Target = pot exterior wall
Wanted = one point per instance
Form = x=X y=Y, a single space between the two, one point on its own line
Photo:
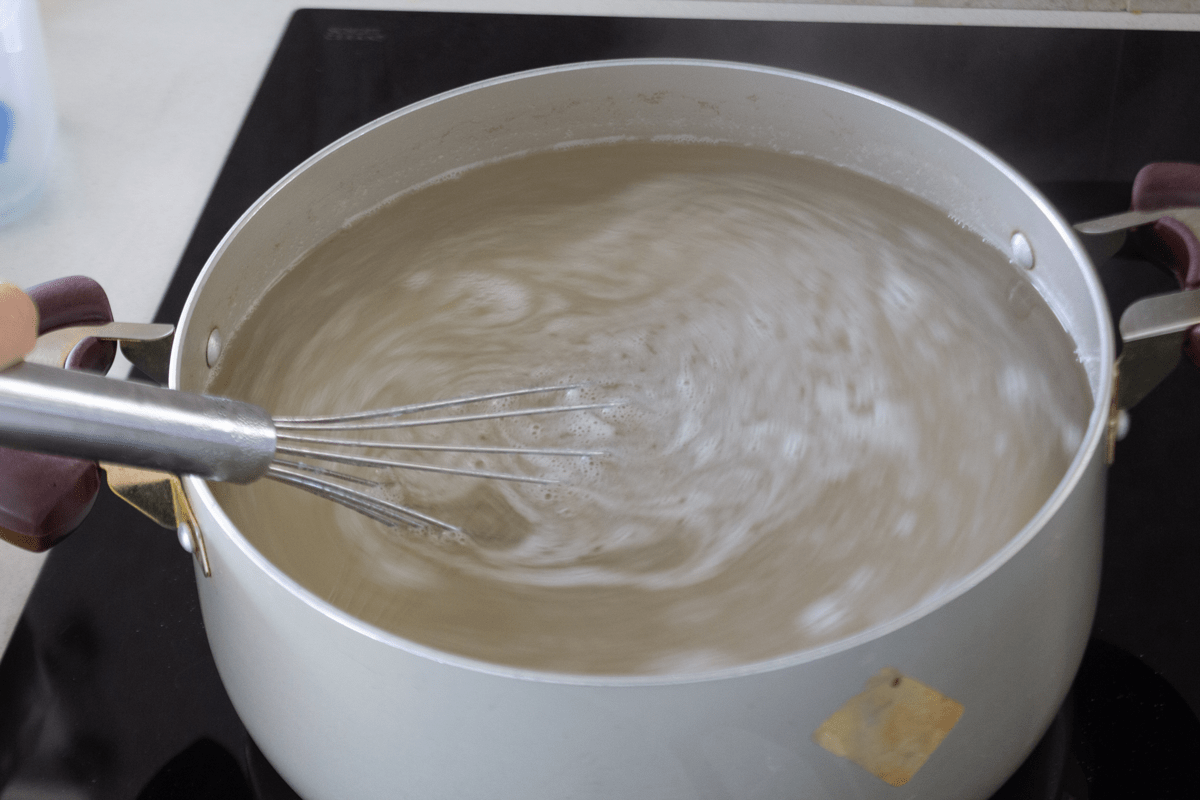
x=341 y=714
x=343 y=710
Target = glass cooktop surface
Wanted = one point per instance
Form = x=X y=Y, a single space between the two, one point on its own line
x=108 y=689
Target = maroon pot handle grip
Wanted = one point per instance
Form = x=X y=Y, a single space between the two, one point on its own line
x=43 y=498
x=1172 y=185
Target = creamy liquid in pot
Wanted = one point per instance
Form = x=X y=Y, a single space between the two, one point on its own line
x=835 y=404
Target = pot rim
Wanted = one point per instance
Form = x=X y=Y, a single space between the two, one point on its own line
x=1094 y=435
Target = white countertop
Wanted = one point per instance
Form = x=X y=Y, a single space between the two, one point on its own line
x=150 y=95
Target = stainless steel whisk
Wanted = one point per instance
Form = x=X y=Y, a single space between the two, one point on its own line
x=72 y=413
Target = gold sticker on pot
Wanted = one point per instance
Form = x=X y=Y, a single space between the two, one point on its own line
x=891 y=728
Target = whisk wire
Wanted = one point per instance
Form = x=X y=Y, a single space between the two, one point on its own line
x=294 y=439
x=368 y=461
x=385 y=511
x=332 y=473
x=413 y=408
x=347 y=425
x=441 y=448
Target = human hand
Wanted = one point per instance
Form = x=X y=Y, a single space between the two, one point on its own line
x=43 y=498
x=18 y=325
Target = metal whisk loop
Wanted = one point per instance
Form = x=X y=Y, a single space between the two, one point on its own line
x=413 y=408
x=417 y=423
x=384 y=511
x=294 y=438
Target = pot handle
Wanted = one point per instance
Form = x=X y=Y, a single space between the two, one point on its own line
x=1164 y=226
x=1172 y=241
x=44 y=498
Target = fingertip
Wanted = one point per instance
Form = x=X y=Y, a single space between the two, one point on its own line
x=18 y=324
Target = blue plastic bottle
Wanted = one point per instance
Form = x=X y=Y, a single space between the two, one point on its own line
x=27 y=121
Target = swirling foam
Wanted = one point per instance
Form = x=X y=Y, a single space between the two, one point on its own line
x=829 y=405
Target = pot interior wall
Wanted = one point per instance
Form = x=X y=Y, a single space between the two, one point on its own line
x=754 y=106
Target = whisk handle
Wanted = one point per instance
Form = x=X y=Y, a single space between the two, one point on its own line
x=70 y=413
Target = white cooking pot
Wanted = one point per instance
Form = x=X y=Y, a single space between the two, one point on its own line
x=345 y=710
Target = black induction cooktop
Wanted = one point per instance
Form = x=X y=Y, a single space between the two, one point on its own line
x=108 y=690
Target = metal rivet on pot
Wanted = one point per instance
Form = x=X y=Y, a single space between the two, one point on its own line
x=1022 y=250
x=1122 y=424
x=185 y=537
x=213 y=351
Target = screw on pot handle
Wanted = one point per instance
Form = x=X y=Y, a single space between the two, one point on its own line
x=43 y=498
